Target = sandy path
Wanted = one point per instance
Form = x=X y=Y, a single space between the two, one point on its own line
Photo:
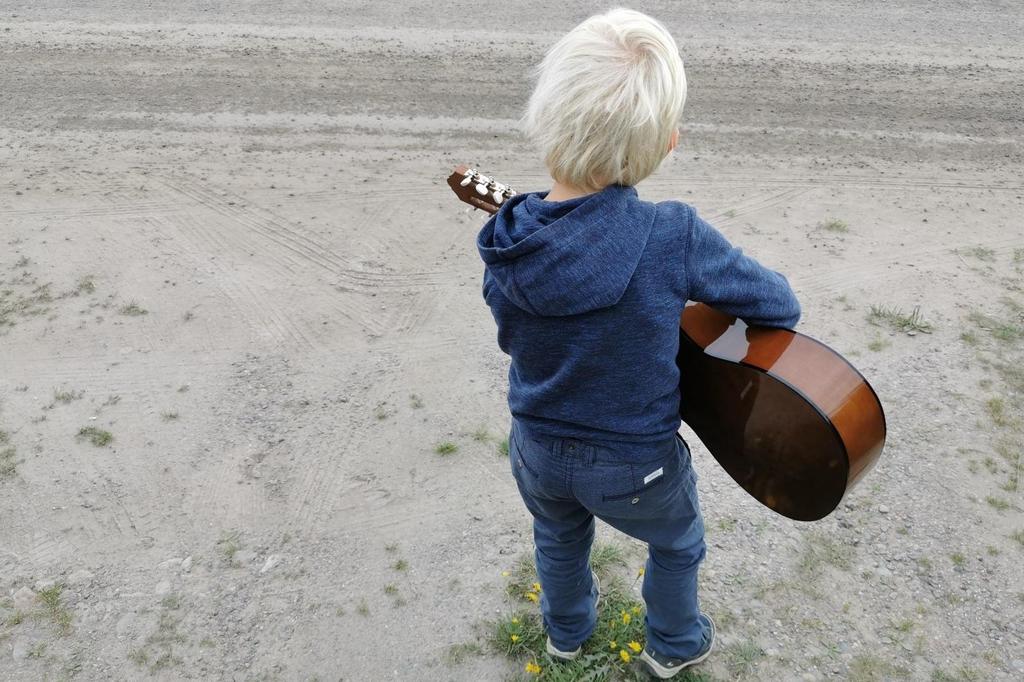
x=267 y=185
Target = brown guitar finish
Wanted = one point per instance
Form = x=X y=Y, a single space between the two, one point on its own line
x=787 y=417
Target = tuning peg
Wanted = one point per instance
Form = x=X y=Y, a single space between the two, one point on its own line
x=481 y=189
x=498 y=196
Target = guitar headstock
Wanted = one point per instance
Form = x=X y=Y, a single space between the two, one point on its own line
x=478 y=190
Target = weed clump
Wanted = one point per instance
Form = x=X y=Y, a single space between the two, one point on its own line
x=895 y=319
x=97 y=437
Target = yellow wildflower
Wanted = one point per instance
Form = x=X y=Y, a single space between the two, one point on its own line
x=636 y=610
x=626 y=618
x=624 y=655
x=505 y=574
x=532 y=596
x=536 y=587
x=515 y=638
x=635 y=646
x=533 y=668
x=515 y=621
x=613 y=645
x=640 y=573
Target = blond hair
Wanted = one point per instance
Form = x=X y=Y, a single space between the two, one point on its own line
x=608 y=97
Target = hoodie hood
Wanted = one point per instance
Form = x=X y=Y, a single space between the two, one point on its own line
x=566 y=257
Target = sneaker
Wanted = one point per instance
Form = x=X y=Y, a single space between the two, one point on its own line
x=571 y=655
x=664 y=667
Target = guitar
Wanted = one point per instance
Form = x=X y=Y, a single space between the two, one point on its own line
x=787 y=417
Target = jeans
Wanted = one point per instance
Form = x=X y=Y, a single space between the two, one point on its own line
x=645 y=490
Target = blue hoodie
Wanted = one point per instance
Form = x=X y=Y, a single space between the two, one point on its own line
x=587 y=295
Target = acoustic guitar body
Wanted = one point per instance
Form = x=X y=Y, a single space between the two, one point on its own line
x=787 y=417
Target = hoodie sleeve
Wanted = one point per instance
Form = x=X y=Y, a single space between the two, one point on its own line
x=720 y=275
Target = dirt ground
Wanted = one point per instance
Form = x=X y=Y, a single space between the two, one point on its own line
x=239 y=311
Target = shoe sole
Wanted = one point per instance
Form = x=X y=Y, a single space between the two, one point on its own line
x=662 y=673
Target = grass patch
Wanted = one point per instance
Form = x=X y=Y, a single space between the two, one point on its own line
x=23 y=304
x=229 y=544
x=86 y=285
x=132 y=309
x=835 y=225
x=456 y=654
x=878 y=344
x=741 y=658
x=895 y=319
x=822 y=550
x=961 y=674
x=66 y=397
x=55 y=609
x=958 y=559
x=610 y=655
x=503 y=447
x=169 y=416
x=983 y=253
x=97 y=437
x=8 y=463
x=869 y=668
x=604 y=556
x=362 y=608
x=997 y=411
x=446 y=448
x=997 y=503
x=998 y=329
x=157 y=653
x=1018 y=537
x=415 y=401
x=400 y=565
x=481 y=435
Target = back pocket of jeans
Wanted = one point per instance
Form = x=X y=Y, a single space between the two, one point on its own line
x=640 y=492
x=647 y=479
x=521 y=458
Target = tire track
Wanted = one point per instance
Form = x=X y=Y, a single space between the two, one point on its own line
x=841 y=276
x=306 y=247
x=263 y=319
x=146 y=208
x=825 y=180
x=755 y=205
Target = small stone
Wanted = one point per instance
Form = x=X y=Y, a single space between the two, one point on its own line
x=186 y=564
x=272 y=560
x=162 y=588
x=24 y=599
x=882 y=509
x=172 y=563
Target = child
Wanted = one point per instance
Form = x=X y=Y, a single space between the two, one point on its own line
x=586 y=283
